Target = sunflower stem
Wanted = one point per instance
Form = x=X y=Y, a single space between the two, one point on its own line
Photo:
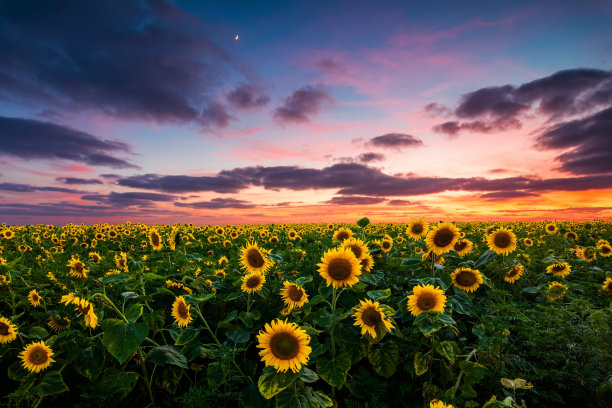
x=248 y=302
x=469 y=356
x=145 y=376
x=112 y=305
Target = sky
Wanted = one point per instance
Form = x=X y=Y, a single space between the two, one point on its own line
x=250 y=112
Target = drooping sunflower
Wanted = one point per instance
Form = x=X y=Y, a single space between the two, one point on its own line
x=426 y=298
x=58 y=323
x=220 y=273
x=77 y=268
x=95 y=257
x=589 y=254
x=417 y=229
x=252 y=282
x=463 y=247
x=121 y=261
x=293 y=295
x=343 y=233
x=442 y=238
x=284 y=346
x=371 y=317
x=254 y=259
x=502 y=241
x=561 y=269
x=36 y=357
x=607 y=286
x=223 y=261
x=550 y=228
x=467 y=279
x=180 y=312
x=155 y=240
x=555 y=290
x=514 y=274
x=85 y=308
x=356 y=245
x=8 y=331
x=340 y=267
x=367 y=262
x=34 y=298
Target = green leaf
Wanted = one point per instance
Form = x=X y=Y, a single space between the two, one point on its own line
x=308 y=376
x=421 y=363
x=167 y=354
x=119 y=383
x=461 y=303
x=303 y=398
x=215 y=375
x=334 y=371
x=384 y=359
x=187 y=335
x=276 y=257
x=90 y=362
x=238 y=336
x=51 y=384
x=411 y=261
x=118 y=278
x=311 y=331
x=303 y=280
x=533 y=289
x=200 y=298
x=129 y=295
x=379 y=294
x=322 y=318
x=38 y=332
x=122 y=339
x=152 y=276
x=484 y=259
x=271 y=382
x=134 y=312
x=363 y=222
x=446 y=350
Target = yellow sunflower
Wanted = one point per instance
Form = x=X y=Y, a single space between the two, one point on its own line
x=340 y=267
x=528 y=242
x=386 y=245
x=292 y=234
x=463 y=247
x=370 y=317
x=550 y=228
x=254 y=259
x=343 y=233
x=220 y=273
x=561 y=269
x=121 y=261
x=502 y=241
x=571 y=235
x=77 y=268
x=607 y=286
x=155 y=240
x=442 y=238
x=555 y=290
x=605 y=250
x=284 y=346
x=426 y=298
x=8 y=331
x=180 y=312
x=467 y=279
x=514 y=274
x=58 y=323
x=293 y=295
x=34 y=298
x=439 y=404
x=95 y=257
x=36 y=357
x=252 y=282
x=367 y=262
x=356 y=245
x=85 y=308
x=417 y=229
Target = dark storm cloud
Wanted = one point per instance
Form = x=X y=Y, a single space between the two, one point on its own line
x=370 y=157
x=217 y=203
x=247 y=96
x=25 y=188
x=145 y=59
x=355 y=200
x=33 y=139
x=589 y=138
x=129 y=199
x=302 y=105
x=76 y=180
x=507 y=195
x=395 y=141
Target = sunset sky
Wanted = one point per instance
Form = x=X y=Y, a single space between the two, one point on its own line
x=222 y=112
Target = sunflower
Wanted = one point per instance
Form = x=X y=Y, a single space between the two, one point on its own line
x=85 y=308
x=551 y=228
x=220 y=231
x=8 y=331
x=555 y=290
x=342 y=233
x=439 y=404
x=442 y=238
x=274 y=240
x=8 y=234
x=467 y=279
x=605 y=250
x=528 y=242
x=386 y=245
x=284 y=346
x=463 y=247
x=367 y=262
x=34 y=298
x=370 y=317
x=223 y=261
x=77 y=268
x=112 y=234
x=589 y=254
x=426 y=298
x=607 y=286
x=502 y=241
x=155 y=240
x=180 y=312
x=340 y=267
x=121 y=261
x=95 y=257
x=220 y=273
x=293 y=295
x=253 y=259
x=356 y=245
x=571 y=235
x=417 y=229
x=58 y=323
x=561 y=269
x=253 y=282
x=36 y=357
x=514 y=274
x=292 y=234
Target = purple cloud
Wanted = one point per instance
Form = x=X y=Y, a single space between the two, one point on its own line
x=76 y=180
x=395 y=141
x=247 y=96
x=218 y=203
x=302 y=105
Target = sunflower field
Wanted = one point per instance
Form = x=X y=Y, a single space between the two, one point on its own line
x=445 y=314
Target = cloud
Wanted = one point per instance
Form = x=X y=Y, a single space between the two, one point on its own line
x=218 y=203
x=330 y=66
x=25 y=188
x=76 y=180
x=496 y=101
x=129 y=199
x=182 y=184
x=497 y=171
x=395 y=141
x=215 y=115
x=452 y=128
x=435 y=109
x=355 y=200
x=370 y=157
x=33 y=139
x=590 y=141
x=72 y=211
x=247 y=96
x=507 y=195
x=132 y=60
x=399 y=202
x=302 y=105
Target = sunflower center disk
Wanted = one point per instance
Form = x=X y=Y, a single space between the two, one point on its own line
x=255 y=259
x=340 y=269
x=443 y=237
x=78 y=267
x=295 y=293
x=38 y=356
x=4 y=329
x=558 y=268
x=253 y=282
x=502 y=240
x=426 y=302
x=342 y=236
x=417 y=229
x=371 y=317
x=513 y=272
x=284 y=346
x=155 y=239
x=465 y=278
x=460 y=245
x=386 y=244
x=357 y=251
x=182 y=311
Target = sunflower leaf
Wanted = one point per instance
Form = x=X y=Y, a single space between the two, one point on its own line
x=421 y=363
x=484 y=259
x=271 y=382
x=51 y=384
x=334 y=371
x=384 y=359
x=304 y=397
x=122 y=339
x=379 y=294
x=187 y=335
x=167 y=354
